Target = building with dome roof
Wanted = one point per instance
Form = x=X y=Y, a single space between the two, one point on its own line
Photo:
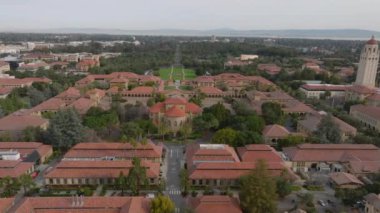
x=369 y=60
x=174 y=113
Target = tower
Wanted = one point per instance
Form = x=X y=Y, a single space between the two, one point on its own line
x=369 y=60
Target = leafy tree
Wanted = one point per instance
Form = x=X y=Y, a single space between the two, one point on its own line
x=272 y=113
x=258 y=190
x=65 y=129
x=10 y=186
x=328 y=131
x=350 y=196
x=186 y=130
x=283 y=187
x=97 y=119
x=225 y=136
x=121 y=182
x=162 y=204
x=132 y=130
x=291 y=140
x=163 y=130
x=184 y=180
x=137 y=177
x=204 y=122
x=248 y=137
x=26 y=181
x=219 y=111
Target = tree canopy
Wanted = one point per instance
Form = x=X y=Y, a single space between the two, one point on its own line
x=65 y=129
x=258 y=190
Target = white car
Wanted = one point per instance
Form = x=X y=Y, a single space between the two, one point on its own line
x=321 y=203
x=150 y=196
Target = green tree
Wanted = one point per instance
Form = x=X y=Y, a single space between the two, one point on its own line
x=272 y=113
x=26 y=181
x=97 y=119
x=205 y=122
x=121 y=182
x=65 y=129
x=283 y=186
x=186 y=130
x=184 y=180
x=291 y=140
x=132 y=130
x=328 y=131
x=10 y=186
x=163 y=130
x=137 y=177
x=162 y=204
x=219 y=111
x=225 y=136
x=258 y=190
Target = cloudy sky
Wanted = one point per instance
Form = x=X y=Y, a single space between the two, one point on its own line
x=190 y=14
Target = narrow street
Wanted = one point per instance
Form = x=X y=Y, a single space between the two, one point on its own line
x=173 y=161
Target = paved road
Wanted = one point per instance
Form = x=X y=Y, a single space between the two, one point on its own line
x=173 y=161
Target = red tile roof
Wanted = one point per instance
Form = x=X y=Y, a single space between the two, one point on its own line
x=342 y=178
x=230 y=171
x=197 y=153
x=71 y=92
x=325 y=87
x=20 y=120
x=90 y=204
x=52 y=104
x=99 y=169
x=14 y=168
x=215 y=204
x=275 y=131
x=141 y=90
x=175 y=111
x=332 y=152
x=372 y=41
x=370 y=111
x=362 y=89
x=26 y=148
x=210 y=90
x=5 y=90
x=82 y=105
x=98 y=92
x=255 y=152
x=118 y=150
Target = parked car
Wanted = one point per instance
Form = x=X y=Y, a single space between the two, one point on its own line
x=321 y=202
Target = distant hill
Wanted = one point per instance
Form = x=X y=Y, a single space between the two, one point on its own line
x=354 y=34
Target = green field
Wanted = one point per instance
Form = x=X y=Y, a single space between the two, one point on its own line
x=177 y=73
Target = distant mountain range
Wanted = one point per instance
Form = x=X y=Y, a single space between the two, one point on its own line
x=354 y=34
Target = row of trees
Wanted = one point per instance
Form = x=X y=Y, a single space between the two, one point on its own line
x=10 y=186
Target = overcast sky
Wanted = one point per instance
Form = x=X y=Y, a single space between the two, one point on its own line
x=190 y=14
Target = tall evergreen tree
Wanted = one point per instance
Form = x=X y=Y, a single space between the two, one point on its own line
x=328 y=131
x=65 y=129
x=258 y=190
x=137 y=177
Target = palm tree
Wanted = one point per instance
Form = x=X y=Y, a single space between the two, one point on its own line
x=121 y=182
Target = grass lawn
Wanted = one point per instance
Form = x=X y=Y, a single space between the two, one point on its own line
x=177 y=73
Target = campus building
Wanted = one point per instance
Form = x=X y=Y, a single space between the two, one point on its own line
x=77 y=204
x=219 y=165
x=369 y=116
x=369 y=60
x=174 y=113
x=115 y=151
x=18 y=158
x=214 y=203
x=357 y=159
x=96 y=172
